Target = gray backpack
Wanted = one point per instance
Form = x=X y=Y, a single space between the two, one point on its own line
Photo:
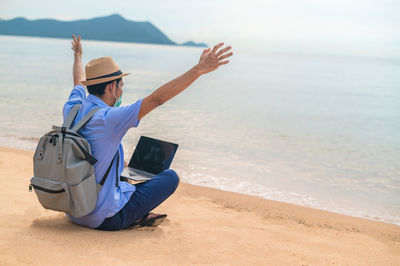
x=63 y=169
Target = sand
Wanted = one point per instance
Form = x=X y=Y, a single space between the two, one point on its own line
x=204 y=226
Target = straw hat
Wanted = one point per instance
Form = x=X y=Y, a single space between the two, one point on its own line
x=101 y=70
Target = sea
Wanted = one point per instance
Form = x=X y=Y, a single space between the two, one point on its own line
x=315 y=130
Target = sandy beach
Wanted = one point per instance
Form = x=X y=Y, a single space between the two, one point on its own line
x=204 y=226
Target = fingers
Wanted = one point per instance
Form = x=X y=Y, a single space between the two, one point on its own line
x=223 y=62
x=73 y=42
x=205 y=51
x=211 y=60
x=225 y=56
x=216 y=47
x=76 y=41
x=222 y=51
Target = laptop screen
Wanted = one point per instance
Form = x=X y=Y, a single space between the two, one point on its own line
x=152 y=155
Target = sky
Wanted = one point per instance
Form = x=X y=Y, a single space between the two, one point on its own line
x=368 y=27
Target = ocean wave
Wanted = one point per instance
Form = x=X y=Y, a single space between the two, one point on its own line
x=272 y=193
x=23 y=143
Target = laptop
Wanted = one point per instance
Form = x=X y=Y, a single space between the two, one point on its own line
x=151 y=157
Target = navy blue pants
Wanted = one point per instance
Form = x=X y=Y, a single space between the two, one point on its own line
x=148 y=195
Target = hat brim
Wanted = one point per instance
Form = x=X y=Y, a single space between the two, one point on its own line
x=102 y=80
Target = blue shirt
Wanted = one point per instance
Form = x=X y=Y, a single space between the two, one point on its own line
x=104 y=133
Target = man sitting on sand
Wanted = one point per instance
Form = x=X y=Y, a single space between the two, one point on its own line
x=120 y=204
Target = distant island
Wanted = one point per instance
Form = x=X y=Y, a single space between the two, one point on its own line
x=110 y=28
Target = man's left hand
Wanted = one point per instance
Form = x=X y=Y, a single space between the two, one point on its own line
x=210 y=60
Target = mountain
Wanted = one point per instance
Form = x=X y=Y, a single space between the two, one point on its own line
x=109 y=28
x=192 y=43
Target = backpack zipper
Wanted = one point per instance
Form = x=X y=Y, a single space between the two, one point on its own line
x=45 y=189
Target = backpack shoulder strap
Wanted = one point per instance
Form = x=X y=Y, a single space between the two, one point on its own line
x=71 y=116
x=85 y=119
x=103 y=180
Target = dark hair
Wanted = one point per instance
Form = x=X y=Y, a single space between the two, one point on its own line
x=99 y=89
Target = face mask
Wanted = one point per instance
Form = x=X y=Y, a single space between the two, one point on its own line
x=119 y=100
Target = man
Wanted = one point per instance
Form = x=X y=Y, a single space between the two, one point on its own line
x=120 y=204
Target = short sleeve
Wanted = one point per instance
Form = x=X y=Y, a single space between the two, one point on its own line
x=77 y=96
x=119 y=119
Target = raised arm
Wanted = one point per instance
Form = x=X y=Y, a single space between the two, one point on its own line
x=209 y=61
x=77 y=69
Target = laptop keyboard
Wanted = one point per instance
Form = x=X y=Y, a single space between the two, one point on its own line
x=133 y=172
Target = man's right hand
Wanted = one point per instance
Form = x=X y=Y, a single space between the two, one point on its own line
x=77 y=69
x=76 y=45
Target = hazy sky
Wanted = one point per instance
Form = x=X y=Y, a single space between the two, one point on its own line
x=362 y=27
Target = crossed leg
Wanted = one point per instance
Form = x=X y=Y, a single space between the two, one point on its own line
x=148 y=196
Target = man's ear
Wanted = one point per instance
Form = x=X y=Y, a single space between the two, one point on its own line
x=114 y=85
x=109 y=88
